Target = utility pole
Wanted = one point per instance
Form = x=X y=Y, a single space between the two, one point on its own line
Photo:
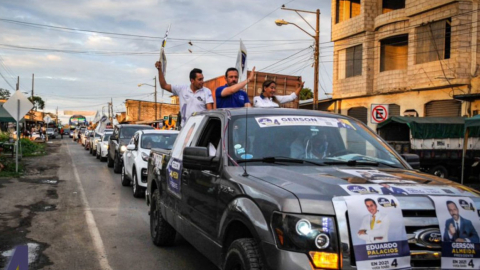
x=111 y=107
x=18 y=83
x=316 y=59
x=56 y=120
x=316 y=37
x=155 y=83
x=33 y=83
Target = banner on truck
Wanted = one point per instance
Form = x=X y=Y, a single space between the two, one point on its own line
x=459 y=224
x=378 y=232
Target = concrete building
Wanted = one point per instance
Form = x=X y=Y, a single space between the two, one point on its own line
x=419 y=57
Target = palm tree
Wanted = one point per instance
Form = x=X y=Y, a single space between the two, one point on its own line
x=306 y=93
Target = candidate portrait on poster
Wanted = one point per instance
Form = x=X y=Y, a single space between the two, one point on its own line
x=458 y=228
x=375 y=225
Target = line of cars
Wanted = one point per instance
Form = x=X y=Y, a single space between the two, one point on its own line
x=126 y=149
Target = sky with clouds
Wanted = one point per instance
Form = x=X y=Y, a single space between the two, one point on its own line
x=85 y=52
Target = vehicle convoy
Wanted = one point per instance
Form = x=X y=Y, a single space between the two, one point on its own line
x=268 y=189
x=118 y=144
x=134 y=169
x=438 y=141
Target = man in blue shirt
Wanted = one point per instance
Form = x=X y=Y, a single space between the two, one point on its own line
x=231 y=94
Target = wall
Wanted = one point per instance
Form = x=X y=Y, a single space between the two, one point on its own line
x=139 y=110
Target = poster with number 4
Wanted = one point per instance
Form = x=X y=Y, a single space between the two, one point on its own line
x=378 y=232
x=459 y=224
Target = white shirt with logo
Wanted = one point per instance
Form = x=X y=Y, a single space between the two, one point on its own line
x=191 y=102
x=268 y=103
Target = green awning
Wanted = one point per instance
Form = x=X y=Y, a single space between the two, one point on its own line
x=4 y=115
x=433 y=127
x=472 y=121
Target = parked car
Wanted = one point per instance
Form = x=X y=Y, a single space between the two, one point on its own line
x=267 y=189
x=71 y=132
x=118 y=144
x=51 y=133
x=134 y=169
x=102 y=146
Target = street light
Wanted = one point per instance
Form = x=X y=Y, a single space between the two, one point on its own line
x=316 y=37
x=154 y=86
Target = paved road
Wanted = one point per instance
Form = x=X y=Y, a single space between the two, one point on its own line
x=119 y=223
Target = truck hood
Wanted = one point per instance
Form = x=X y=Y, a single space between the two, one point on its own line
x=310 y=184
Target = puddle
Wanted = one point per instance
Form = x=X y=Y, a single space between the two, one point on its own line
x=33 y=251
x=42 y=207
x=51 y=182
x=52 y=193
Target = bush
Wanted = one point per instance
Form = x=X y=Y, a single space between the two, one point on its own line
x=30 y=148
x=4 y=136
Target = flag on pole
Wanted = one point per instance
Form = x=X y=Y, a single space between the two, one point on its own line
x=242 y=62
x=97 y=117
x=163 y=58
x=102 y=124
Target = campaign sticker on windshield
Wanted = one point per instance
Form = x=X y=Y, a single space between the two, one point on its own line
x=378 y=232
x=459 y=225
x=406 y=189
x=271 y=121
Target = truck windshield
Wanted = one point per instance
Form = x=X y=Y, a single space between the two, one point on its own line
x=325 y=140
x=128 y=132
x=106 y=137
x=164 y=141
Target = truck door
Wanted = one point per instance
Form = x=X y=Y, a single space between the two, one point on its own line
x=200 y=187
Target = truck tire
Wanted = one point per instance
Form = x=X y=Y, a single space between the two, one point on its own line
x=439 y=171
x=162 y=233
x=243 y=255
x=109 y=160
x=138 y=191
x=117 y=164
x=124 y=178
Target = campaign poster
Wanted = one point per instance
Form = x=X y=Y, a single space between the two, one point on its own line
x=459 y=224
x=175 y=164
x=378 y=232
x=403 y=189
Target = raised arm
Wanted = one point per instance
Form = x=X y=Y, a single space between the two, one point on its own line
x=161 y=78
x=227 y=91
x=299 y=88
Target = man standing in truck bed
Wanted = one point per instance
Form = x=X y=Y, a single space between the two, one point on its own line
x=193 y=98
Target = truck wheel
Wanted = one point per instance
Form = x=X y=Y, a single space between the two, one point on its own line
x=124 y=178
x=439 y=171
x=243 y=255
x=162 y=233
x=117 y=165
x=138 y=191
x=109 y=160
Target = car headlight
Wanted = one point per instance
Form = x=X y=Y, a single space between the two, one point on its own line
x=313 y=235
x=97 y=140
x=123 y=148
x=144 y=156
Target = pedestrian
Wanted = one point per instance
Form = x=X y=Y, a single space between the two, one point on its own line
x=232 y=95
x=61 y=133
x=193 y=98
x=268 y=99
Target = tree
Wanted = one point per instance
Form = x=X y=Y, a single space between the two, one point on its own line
x=4 y=93
x=306 y=93
x=38 y=102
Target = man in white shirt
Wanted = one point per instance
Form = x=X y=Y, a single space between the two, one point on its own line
x=374 y=228
x=193 y=98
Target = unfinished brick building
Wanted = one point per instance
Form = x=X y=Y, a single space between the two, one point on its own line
x=420 y=57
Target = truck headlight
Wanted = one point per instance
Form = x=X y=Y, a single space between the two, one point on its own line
x=312 y=235
x=144 y=156
x=123 y=148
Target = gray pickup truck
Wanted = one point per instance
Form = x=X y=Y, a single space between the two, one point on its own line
x=238 y=184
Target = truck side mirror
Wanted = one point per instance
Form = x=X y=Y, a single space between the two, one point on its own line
x=412 y=159
x=131 y=147
x=197 y=158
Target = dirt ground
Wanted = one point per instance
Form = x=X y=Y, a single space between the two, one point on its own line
x=43 y=210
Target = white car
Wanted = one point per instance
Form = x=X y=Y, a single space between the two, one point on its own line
x=95 y=139
x=134 y=169
x=102 y=146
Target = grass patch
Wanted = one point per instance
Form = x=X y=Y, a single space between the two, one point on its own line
x=30 y=148
x=9 y=167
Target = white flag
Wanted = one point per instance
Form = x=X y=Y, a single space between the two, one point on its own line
x=97 y=117
x=102 y=124
x=242 y=62
x=163 y=58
